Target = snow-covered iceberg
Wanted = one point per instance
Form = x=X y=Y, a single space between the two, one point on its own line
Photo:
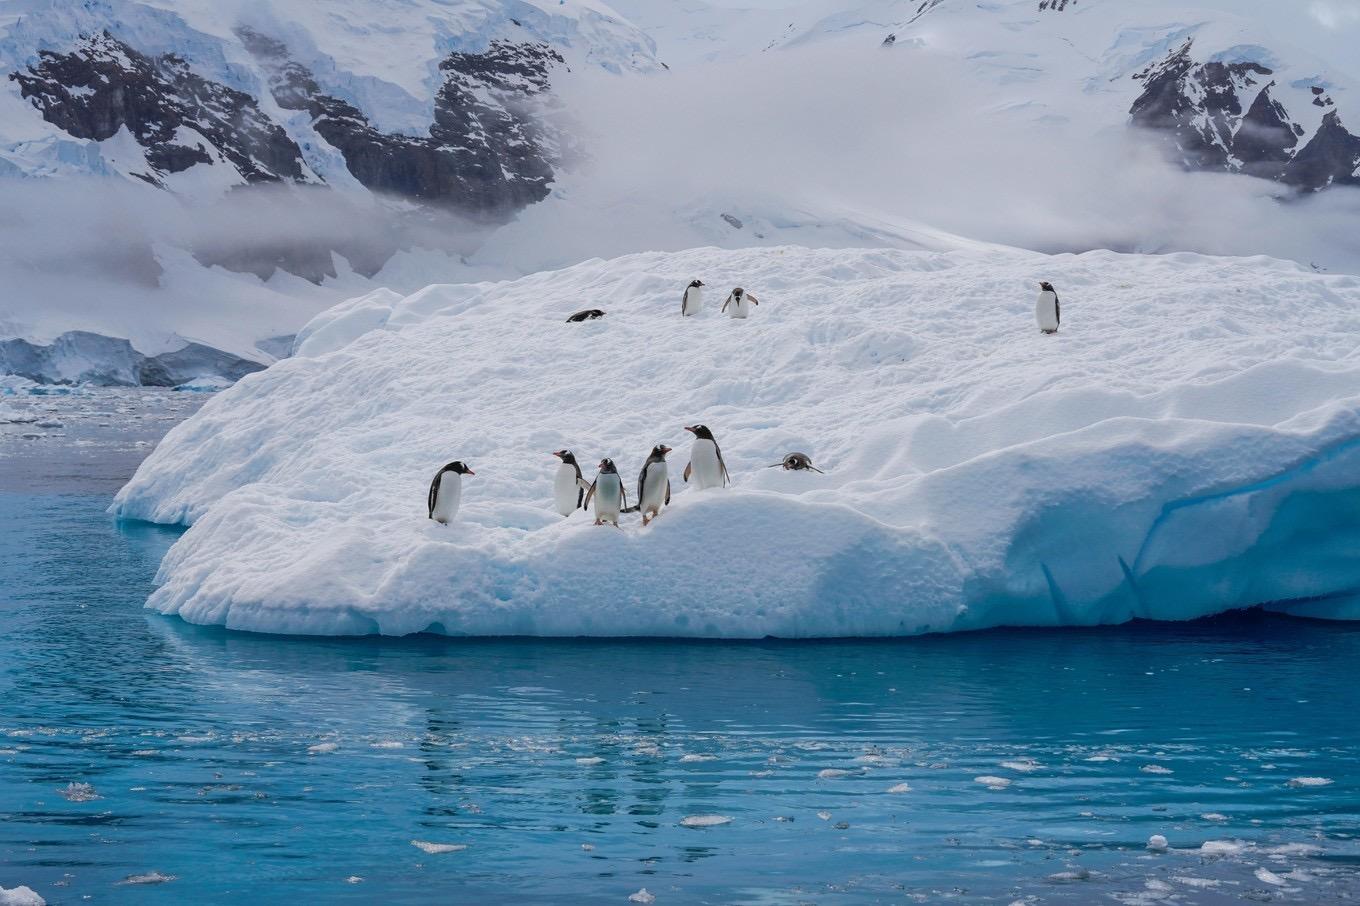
x=1187 y=444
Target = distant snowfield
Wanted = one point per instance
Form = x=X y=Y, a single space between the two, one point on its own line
x=1187 y=444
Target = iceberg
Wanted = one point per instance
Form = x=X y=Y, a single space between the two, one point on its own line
x=1187 y=444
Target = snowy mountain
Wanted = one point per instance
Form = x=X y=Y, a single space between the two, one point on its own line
x=186 y=173
x=1184 y=445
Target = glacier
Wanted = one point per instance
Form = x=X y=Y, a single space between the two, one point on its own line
x=1188 y=443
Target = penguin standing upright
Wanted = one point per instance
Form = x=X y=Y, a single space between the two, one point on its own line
x=446 y=491
x=706 y=464
x=739 y=301
x=654 y=485
x=608 y=493
x=1046 y=310
x=692 y=302
x=569 y=488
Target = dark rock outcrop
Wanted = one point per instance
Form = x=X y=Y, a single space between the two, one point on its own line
x=102 y=86
x=1223 y=117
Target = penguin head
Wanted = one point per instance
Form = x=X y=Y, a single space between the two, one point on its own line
x=566 y=456
x=458 y=466
x=1046 y=286
x=700 y=432
x=695 y=283
x=738 y=292
x=607 y=465
x=796 y=461
x=660 y=451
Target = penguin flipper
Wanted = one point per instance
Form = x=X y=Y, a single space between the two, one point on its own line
x=668 y=492
x=688 y=467
x=1057 y=310
x=815 y=469
x=754 y=300
x=724 y=308
x=722 y=464
x=434 y=493
x=585 y=505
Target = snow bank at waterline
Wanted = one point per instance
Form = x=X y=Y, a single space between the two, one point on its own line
x=1187 y=444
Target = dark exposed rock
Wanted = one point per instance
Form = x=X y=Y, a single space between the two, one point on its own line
x=733 y=222
x=1198 y=109
x=1056 y=5
x=484 y=157
x=102 y=86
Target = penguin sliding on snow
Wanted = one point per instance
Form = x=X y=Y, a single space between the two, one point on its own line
x=740 y=302
x=446 y=491
x=692 y=302
x=654 y=485
x=586 y=314
x=1046 y=310
x=706 y=464
x=608 y=493
x=797 y=462
x=569 y=488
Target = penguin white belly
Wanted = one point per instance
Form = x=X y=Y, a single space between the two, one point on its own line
x=566 y=490
x=447 y=498
x=654 y=489
x=694 y=300
x=608 y=498
x=1046 y=311
x=704 y=468
x=739 y=308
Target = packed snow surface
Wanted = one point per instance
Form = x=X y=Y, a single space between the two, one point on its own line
x=1188 y=443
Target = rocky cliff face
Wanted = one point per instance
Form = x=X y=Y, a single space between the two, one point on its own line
x=1224 y=116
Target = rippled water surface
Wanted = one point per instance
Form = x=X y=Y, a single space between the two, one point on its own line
x=145 y=760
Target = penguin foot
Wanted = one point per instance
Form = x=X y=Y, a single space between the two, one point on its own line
x=645 y=520
x=599 y=522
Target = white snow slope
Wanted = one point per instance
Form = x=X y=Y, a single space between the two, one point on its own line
x=1187 y=444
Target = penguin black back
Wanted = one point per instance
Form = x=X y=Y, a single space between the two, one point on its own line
x=587 y=314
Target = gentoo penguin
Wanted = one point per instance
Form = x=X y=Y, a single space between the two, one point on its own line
x=587 y=314
x=1046 y=310
x=797 y=462
x=654 y=485
x=569 y=488
x=446 y=491
x=705 y=460
x=740 y=302
x=692 y=302
x=610 y=497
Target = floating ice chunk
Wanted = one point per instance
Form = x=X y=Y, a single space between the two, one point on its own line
x=78 y=792
x=1155 y=769
x=1221 y=847
x=704 y=820
x=1197 y=883
x=387 y=744
x=1214 y=816
x=589 y=760
x=1157 y=843
x=150 y=877
x=825 y=816
x=832 y=773
x=354 y=879
x=900 y=788
x=20 y=896
x=323 y=748
x=642 y=896
x=1023 y=765
x=1076 y=873
x=691 y=759
x=992 y=783
x=1310 y=781
x=1266 y=876
x=436 y=849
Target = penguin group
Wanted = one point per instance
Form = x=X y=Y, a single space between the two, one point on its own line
x=706 y=468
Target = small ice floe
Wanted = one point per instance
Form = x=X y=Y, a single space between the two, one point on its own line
x=1214 y=816
x=1023 y=765
x=436 y=849
x=832 y=773
x=992 y=783
x=151 y=877
x=20 y=896
x=589 y=760
x=783 y=818
x=1100 y=758
x=1197 y=883
x=1221 y=848
x=323 y=748
x=143 y=753
x=825 y=816
x=900 y=788
x=387 y=744
x=354 y=879
x=1266 y=876
x=49 y=423
x=1310 y=781
x=1155 y=769
x=691 y=759
x=642 y=896
x=78 y=792
x=1157 y=843
x=704 y=820
x=194 y=739
x=588 y=847
x=1075 y=873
